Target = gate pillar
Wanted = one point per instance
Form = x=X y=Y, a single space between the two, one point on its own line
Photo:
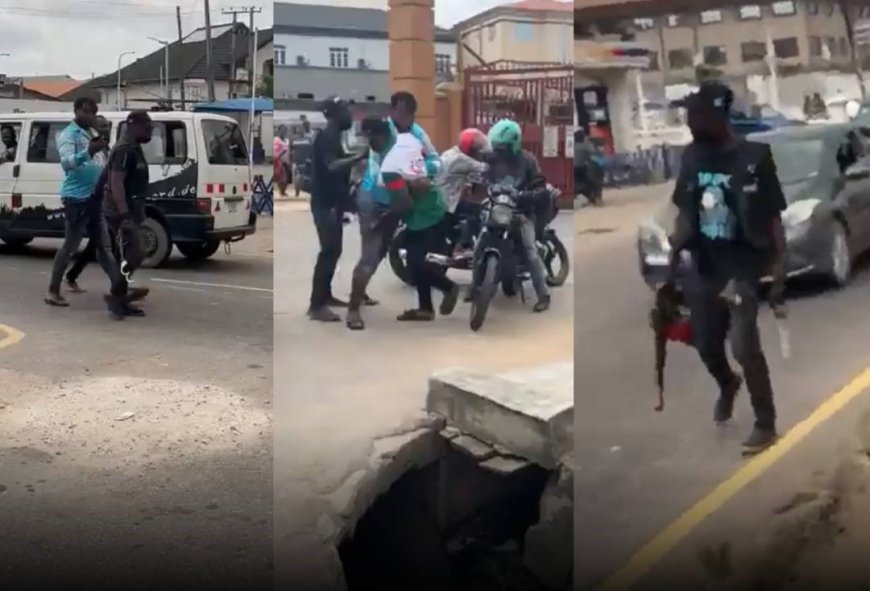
x=411 y=25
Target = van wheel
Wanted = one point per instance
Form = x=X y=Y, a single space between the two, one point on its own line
x=15 y=242
x=156 y=242
x=198 y=251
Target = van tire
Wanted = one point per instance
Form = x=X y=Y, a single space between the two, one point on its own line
x=198 y=251
x=157 y=243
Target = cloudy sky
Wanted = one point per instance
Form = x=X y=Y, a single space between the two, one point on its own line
x=84 y=37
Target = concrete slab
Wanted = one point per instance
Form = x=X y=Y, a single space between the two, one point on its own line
x=529 y=412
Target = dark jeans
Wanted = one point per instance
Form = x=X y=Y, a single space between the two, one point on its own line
x=468 y=214
x=330 y=233
x=96 y=228
x=377 y=226
x=711 y=317
x=76 y=213
x=130 y=251
x=427 y=275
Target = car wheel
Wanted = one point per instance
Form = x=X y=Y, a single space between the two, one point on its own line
x=840 y=256
x=15 y=241
x=156 y=242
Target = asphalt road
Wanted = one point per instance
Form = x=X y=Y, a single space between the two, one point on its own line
x=137 y=454
x=337 y=391
x=639 y=470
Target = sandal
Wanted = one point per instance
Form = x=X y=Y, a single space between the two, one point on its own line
x=416 y=315
x=354 y=320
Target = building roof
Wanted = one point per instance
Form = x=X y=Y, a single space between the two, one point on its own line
x=54 y=86
x=521 y=8
x=187 y=57
x=338 y=21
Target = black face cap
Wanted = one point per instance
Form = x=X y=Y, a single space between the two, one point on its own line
x=333 y=106
x=712 y=97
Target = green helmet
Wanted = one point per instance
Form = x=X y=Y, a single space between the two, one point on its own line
x=506 y=133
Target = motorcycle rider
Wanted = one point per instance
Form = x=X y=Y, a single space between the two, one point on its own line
x=462 y=169
x=509 y=163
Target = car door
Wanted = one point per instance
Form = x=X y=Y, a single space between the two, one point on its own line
x=856 y=193
x=40 y=179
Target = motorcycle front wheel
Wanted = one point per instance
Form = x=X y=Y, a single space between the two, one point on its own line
x=484 y=292
x=556 y=252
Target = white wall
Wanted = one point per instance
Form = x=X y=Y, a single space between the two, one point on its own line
x=142 y=96
x=375 y=51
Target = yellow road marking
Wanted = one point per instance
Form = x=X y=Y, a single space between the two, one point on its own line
x=13 y=336
x=664 y=542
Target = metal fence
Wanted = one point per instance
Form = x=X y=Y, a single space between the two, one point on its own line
x=652 y=165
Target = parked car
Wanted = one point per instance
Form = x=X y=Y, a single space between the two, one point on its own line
x=825 y=175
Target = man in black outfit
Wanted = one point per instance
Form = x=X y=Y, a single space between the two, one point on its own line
x=330 y=199
x=127 y=185
x=729 y=200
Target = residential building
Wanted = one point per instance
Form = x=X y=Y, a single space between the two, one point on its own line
x=323 y=50
x=143 y=81
x=527 y=32
x=54 y=86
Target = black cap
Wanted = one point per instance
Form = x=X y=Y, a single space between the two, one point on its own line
x=713 y=96
x=138 y=117
x=333 y=106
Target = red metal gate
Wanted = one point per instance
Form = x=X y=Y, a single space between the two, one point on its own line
x=541 y=100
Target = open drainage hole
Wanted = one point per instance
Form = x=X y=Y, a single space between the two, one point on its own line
x=449 y=526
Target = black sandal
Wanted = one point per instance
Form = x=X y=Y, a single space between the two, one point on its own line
x=354 y=321
x=416 y=315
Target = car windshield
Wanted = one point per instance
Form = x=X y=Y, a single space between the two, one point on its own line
x=797 y=160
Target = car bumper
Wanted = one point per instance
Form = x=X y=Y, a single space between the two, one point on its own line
x=197 y=228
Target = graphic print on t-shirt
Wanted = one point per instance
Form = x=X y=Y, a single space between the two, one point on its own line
x=717 y=221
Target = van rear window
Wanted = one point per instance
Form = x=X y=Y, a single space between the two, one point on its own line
x=224 y=143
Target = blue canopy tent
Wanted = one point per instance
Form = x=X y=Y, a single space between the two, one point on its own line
x=239 y=105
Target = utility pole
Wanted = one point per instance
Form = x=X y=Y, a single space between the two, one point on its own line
x=235 y=12
x=252 y=45
x=209 y=58
x=182 y=74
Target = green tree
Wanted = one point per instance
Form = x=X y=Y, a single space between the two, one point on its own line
x=266 y=87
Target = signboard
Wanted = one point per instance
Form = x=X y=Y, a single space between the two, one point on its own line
x=626 y=55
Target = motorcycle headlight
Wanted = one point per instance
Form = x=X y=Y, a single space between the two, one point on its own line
x=501 y=214
x=797 y=218
x=504 y=200
x=653 y=244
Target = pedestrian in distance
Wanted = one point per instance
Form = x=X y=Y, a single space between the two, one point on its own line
x=126 y=187
x=729 y=201
x=78 y=146
x=330 y=200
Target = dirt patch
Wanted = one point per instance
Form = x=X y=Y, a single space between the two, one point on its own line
x=129 y=423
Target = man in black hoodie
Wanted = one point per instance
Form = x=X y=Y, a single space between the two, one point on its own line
x=729 y=200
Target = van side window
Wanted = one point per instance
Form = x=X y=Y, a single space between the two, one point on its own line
x=10 y=132
x=42 y=147
x=224 y=143
x=168 y=143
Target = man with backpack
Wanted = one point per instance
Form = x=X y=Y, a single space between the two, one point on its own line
x=729 y=200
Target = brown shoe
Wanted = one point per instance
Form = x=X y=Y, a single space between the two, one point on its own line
x=55 y=299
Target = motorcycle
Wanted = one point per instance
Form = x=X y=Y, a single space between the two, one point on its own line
x=499 y=254
x=589 y=177
x=551 y=249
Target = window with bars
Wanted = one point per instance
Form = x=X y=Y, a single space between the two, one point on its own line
x=709 y=17
x=752 y=51
x=442 y=63
x=715 y=55
x=786 y=48
x=280 y=55
x=338 y=57
x=750 y=12
x=784 y=8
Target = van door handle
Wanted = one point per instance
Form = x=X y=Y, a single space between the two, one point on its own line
x=16 y=171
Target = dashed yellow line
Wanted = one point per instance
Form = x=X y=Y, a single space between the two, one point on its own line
x=664 y=542
x=12 y=336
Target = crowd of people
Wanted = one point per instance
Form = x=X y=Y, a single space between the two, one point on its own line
x=100 y=197
x=429 y=204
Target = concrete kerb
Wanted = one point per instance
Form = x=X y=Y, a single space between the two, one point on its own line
x=462 y=424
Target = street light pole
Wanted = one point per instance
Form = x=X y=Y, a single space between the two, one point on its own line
x=118 y=95
x=165 y=45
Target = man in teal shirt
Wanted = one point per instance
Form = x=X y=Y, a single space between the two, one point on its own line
x=78 y=146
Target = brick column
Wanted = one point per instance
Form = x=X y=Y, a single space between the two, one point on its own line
x=411 y=26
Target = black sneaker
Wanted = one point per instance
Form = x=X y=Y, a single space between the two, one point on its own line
x=115 y=304
x=542 y=305
x=133 y=311
x=759 y=440
x=724 y=408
